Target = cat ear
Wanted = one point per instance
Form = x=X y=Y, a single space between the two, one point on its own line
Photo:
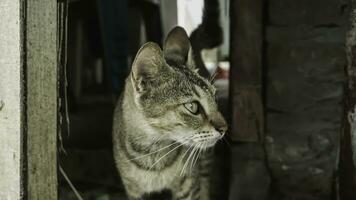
x=191 y=62
x=147 y=65
x=176 y=46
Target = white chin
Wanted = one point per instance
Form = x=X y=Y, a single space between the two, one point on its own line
x=207 y=144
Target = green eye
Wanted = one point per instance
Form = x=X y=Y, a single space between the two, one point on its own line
x=192 y=107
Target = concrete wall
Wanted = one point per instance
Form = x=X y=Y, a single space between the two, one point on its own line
x=10 y=100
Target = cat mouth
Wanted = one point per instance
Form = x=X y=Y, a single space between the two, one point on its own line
x=206 y=140
x=207 y=144
x=200 y=140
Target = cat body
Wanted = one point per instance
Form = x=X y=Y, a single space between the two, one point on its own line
x=165 y=123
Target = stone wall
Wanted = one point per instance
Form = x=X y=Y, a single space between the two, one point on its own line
x=305 y=57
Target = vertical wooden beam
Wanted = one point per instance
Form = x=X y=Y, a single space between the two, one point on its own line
x=347 y=163
x=28 y=99
x=41 y=66
x=10 y=100
x=250 y=177
x=246 y=70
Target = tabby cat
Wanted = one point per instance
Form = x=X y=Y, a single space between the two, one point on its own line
x=165 y=123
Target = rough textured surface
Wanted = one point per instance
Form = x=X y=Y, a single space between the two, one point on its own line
x=10 y=100
x=306 y=60
x=247 y=121
x=348 y=143
x=305 y=12
x=351 y=72
x=249 y=176
x=41 y=60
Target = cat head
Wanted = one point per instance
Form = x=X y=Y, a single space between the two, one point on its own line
x=175 y=100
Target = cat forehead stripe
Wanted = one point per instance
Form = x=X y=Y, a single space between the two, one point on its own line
x=196 y=79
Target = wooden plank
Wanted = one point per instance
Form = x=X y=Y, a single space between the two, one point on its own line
x=246 y=70
x=347 y=163
x=41 y=60
x=249 y=171
x=10 y=100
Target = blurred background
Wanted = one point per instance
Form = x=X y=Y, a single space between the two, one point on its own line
x=283 y=84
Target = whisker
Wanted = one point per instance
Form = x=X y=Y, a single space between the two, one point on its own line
x=194 y=157
x=165 y=155
x=190 y=148
x=225 y=140
x=185 y=153
x=157 y=140
x=186 y=163
x=184 y=142
x=165 y=147
x=192 y=151
x=213 y=76
x=184 y=139
x=139 y=137
x=199 y=152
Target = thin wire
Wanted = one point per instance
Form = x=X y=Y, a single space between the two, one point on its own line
x=62 y=62
x=70 y=184
x=65 y=30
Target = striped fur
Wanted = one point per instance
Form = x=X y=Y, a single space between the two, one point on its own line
x=165 y=123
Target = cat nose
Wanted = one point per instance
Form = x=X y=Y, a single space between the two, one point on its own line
x=218 y=122
x=220 y=127
x=222 y=130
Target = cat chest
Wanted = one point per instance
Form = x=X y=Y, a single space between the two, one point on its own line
x=156 y=180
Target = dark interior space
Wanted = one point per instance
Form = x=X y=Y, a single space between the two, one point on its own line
x=284 y=79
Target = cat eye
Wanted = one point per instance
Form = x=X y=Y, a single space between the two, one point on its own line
x=192 y=107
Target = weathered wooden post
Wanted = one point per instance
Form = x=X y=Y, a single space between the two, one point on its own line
x=347 y=163
x=246 y=70
x=246 y=83
x=28 y=99
x=41 y=92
